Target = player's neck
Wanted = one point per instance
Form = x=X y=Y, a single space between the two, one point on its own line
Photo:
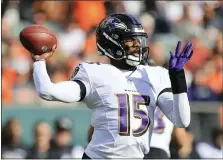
x=122 y=65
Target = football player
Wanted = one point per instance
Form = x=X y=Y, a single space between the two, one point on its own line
x=124 y=94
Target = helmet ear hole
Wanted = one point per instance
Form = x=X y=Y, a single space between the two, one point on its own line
x=115 y=36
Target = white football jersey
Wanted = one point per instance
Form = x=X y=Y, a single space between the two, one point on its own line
x=122 y=104
x=162 y=131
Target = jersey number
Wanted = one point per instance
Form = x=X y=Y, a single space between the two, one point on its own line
x=124 y=114
x=160 y=125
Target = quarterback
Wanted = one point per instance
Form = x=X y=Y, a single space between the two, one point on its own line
x=124 y=94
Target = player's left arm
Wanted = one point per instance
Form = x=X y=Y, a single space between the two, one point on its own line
x=175 y=104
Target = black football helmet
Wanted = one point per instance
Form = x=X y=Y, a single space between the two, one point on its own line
x=113 y=31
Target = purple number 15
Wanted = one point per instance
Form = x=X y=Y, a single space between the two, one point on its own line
x=124 y=114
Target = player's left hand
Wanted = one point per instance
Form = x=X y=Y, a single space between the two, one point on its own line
x=178 y=60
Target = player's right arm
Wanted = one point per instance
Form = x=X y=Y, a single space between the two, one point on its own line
x=67 y=91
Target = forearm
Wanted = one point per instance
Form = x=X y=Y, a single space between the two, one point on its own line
x=68 y=91
x=175 y=105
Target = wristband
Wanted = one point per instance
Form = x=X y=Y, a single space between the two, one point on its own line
x=178 y=81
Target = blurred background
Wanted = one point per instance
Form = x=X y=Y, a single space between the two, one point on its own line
x=33 y=128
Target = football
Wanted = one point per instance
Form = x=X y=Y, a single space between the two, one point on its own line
x=37 y=39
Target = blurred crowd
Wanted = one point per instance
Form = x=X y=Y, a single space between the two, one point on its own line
x=57 y=144
x=74 y=24
x=184 y=144
x=46 y=144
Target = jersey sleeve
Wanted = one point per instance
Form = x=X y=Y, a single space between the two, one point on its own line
x=80 y=76
x=65 y=91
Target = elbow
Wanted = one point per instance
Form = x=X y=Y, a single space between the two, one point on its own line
x=183 y=119
x=186 y=124
x=45 y=94
x=45 y=97
x=182 y=125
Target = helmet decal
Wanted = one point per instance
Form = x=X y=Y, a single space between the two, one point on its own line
x=112 y=23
